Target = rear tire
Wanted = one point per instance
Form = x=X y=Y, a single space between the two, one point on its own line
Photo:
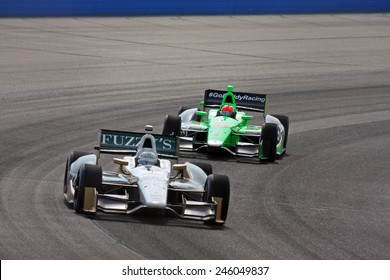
x=172 y=125
x=218 y=186
x=184 y=108
x=89 y=176
x=269 y=139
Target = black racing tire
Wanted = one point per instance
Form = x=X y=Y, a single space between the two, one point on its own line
x=172 y=125
x=269 y=139
x=206 y=167
x=218 y=186
x=89 y=176
x=73 y=156
x=182 y=109
x=286 y=123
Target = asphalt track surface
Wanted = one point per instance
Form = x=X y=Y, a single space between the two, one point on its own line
x=62 y=79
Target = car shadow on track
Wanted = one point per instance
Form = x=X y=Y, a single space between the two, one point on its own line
x=152 y=218
x=230 y=158
x=148 y=216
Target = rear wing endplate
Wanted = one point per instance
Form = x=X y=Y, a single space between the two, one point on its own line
x=245 y=101
x=124 y=142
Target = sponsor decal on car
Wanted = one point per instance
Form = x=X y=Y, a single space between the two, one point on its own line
x=238 y=97
x=123 y=140
x=250 y=101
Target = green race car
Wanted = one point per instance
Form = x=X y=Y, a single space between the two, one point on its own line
x=225 y=126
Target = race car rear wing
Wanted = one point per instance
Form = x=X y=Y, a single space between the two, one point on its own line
x=245 y=101
x=124 y=142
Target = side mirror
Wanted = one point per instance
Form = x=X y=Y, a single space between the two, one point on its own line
x=201 y=114
x=247 y=118
x=179 y=167
x=181 y=170
x=120 y=161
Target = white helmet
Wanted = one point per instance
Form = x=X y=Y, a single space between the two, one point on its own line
x=147 y=157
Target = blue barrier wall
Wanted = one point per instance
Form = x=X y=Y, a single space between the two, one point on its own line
x=185 y=7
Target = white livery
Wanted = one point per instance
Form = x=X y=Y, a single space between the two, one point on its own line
x=145 y=179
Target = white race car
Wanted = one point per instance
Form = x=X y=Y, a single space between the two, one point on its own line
x=145 y=180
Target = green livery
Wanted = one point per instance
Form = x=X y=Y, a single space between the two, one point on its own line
x=223 y=126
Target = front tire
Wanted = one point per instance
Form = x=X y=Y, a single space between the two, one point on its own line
x=269 y=140
x=218 y=186
x=73 y=156
x=286 y=123
x=90 y=176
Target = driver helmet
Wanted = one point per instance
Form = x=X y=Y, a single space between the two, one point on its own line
x=147 y=158
x=227 y=110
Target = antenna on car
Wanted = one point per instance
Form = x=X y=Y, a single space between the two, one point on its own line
x=148 y=127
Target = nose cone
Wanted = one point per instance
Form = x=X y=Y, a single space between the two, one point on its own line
x=217 y=137
x=219 y=131
x=214 y=143
x=153 y=186
x=154 y=194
